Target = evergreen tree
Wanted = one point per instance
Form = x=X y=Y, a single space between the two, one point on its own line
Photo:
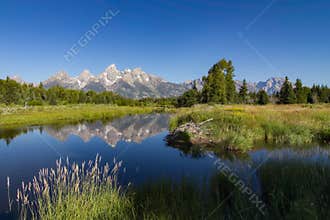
x=52 y=99
x=206 y=91
x=82 y=97
x=2 y=92
x=287 y=95
x=262 y=98
x=214 y=89
x=253 y=98
x=319 y=94
x=11 y=92
x=91 y=97
x=324 y=94
x=243 y=92
x=314 y=95
x=300 y=92
x=189 y=98
x=231 y=95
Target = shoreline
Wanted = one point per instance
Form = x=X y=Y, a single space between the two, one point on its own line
x=15 y=117
x=239 y=127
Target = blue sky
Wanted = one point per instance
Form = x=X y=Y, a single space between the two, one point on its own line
x=177 y=40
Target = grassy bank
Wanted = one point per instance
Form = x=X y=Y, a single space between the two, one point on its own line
x=20 y=116
x=239 y=126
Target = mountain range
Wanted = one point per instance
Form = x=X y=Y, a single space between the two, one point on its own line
x=135 y=83
x=128 y=83
x=271 y=85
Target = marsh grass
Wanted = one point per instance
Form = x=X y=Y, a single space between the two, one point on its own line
x=296 y=190
x=290 y=189
x=218 y=199
x=11 y=117
x=165 y=199
x=72 y=191
x=239 y=127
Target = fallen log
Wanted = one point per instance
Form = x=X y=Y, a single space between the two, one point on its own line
x=204 y=122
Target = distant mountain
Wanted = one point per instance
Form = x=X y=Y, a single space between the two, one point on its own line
x=138 y=84
x=129 y=83
x=191 y=83
x=271 y=85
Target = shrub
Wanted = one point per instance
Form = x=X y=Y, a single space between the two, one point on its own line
x=35 y=103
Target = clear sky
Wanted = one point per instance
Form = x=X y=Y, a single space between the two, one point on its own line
x=177 y=40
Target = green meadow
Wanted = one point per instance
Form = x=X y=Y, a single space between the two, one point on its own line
x=40 y=115
x=238 y=127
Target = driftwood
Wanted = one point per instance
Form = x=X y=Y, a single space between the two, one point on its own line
x=197 y=134
x=204 y=122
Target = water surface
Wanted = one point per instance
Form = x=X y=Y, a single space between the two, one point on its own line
x=139 y=142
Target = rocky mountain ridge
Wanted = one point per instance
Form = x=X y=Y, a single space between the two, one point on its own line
x=271 y=85
x=135 y=83
x=131 y=83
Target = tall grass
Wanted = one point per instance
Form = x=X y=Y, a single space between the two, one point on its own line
x=295 y=189
x=70 y=191
x=290 y=190
x=184 y=200
x=238 y=127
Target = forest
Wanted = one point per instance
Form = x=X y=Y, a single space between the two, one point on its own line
x=219 y=88
x=14 y=93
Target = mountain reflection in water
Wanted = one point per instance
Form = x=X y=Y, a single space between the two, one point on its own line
x=133 y=128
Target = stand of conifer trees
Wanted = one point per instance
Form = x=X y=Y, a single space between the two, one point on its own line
x=14 y=93
x=219 y=87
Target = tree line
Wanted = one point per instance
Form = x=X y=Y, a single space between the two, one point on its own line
x=219 y=87
x=14 y=93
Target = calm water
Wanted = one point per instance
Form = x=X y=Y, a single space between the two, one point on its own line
x=138 y=141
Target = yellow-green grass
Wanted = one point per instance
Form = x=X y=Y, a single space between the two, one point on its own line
x=19 y=116
x=74 y=191
x=240 y=126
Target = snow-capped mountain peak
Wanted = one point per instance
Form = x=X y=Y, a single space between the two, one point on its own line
x=61 y=75
x=271 y=85
x=85 y=75
x=112 y=69
x=84 y=78
x=133 y=83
